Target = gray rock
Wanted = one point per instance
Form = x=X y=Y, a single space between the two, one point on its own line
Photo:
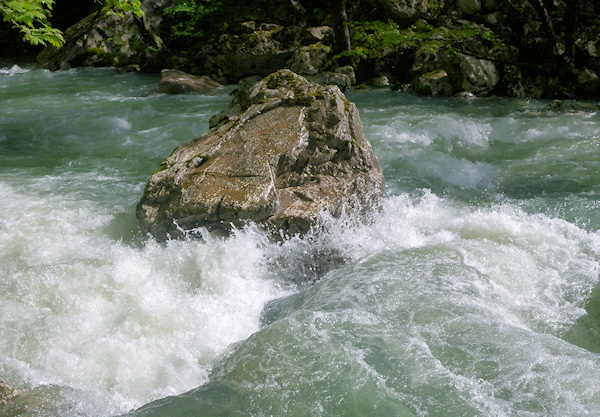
x=476 y=75
x=405 y=11
x=309 y=60
x=349 y=71
x=466 y=95
x=380 y=82
x=100 y=40
x=318 y=34
x=153 y=13
x=588 y=81
x=340 y=80
x=282 y=152
x=446 y=72
x=259 y=52
x=178 y=82
x=434 y=83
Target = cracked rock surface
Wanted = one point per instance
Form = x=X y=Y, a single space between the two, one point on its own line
x=284 y=150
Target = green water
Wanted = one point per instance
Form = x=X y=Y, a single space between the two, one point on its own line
x=473 y=291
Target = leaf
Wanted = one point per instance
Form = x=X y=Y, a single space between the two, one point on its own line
x=31 y=17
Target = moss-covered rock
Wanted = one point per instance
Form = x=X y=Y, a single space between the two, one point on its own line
x=281 y=153
x=308 y=60
x=110 y=40
x=252 y=49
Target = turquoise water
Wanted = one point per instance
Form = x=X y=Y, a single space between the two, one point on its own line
x=472 y=291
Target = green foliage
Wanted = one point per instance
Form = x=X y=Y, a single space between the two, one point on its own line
x=370 y=39
x=32 y=18
x=374 y=39
x=189 y=25
x=512 y=74
x=120 y=7
x=188 y=20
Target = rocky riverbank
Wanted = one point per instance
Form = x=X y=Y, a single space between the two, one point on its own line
x=524 y=48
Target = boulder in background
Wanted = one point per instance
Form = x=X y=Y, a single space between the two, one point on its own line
x=178 y=82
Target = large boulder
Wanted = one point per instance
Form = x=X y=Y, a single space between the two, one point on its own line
x=105 y=40
x=476 y=75
x=309 y=60
x=251 y=49
x=178 y=82
x=447 y=72
x=282 y=152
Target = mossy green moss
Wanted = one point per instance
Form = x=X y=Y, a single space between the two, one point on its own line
x=99 y=52
x=188 y=25
x=374 y=39
x=163 y=165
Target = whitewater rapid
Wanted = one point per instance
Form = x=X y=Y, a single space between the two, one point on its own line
x=471 y=290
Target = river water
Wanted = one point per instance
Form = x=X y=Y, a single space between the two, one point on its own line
x=472 y=291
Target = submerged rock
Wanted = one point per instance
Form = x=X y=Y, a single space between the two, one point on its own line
x=7 y=393
x=283 y=151
x=178 y=82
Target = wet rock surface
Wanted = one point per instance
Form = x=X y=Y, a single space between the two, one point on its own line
x=178 y=82
x=285 y=150
x=7 y=393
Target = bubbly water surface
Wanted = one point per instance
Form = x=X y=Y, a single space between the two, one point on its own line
x=471 y=291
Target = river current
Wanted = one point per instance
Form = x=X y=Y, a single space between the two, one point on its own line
x=472 y=291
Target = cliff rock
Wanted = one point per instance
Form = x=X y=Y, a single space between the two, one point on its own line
x=254 y=49
x=283 y=151
x=446 y=72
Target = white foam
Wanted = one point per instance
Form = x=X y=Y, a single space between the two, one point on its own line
x=14 y=70
x=535 y=267
x=126 y=324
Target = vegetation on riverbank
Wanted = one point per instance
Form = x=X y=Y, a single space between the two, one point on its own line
x=536 y=48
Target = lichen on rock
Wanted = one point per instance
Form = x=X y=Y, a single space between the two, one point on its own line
x=285 y=150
